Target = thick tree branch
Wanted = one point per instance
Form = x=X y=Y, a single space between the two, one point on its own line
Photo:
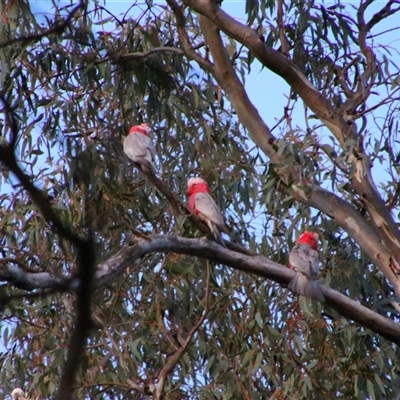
x=228 y=80
x=347 y=217
x=11 y=272
x=85 y=261
x=184 y=38
x=86 y=268
x=224 y=73
x=258 y=265
x=278 y=63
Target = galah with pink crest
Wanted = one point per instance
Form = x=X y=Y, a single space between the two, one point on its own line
x=304 y=260
x=203 y=205
x=139 y=147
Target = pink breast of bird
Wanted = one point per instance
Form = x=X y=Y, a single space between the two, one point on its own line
x=192 y=204
x=192 y=191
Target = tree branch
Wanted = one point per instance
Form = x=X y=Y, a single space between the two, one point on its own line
x=86 y=268
x=228 y=80
x=212 y=17
x=181 y=209
x=58 y=27
x=347 y=217
x=85 y=261
x=108 y=270
x=278 y=63
x=184 y=38
x=14 y=273
x=144 y=54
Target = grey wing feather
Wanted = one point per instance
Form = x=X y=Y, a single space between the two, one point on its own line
x=139 y=148
x=134 y=146
x=300 y=284
x=206 y=205
x=304 y=259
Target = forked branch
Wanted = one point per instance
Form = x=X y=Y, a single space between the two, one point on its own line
x=256 y=265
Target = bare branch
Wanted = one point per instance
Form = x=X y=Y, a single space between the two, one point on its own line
x=85 y=262
x=282 y=30
x=367 y=79
x=257 y=265
x=362 y=181
x=86 y=268
x=184 y=38
x=385 y=12
x=144 y=54
x=20 y=278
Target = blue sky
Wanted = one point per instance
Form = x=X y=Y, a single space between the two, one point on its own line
x=266 y=90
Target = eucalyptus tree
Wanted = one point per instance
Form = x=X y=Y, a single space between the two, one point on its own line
x=111 y=288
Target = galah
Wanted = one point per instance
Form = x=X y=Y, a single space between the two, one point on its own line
x=304 y=260
x=139 y=147
x=203 y=205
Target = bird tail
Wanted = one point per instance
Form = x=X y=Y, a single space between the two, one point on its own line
x=216 y=233
x=218 y=237
x=300 y=284
x=147 y=166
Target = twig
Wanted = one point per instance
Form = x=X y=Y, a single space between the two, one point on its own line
x=134 y=56
x=282 y=30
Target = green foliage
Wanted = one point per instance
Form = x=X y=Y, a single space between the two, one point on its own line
x=75 y=93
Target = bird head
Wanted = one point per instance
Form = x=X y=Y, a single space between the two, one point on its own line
x=196 y=185
x=142 y=128
x=310 y=238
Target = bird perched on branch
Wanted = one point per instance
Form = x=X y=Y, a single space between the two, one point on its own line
x=139 y=147
x=203 y=205
x=304 y=260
